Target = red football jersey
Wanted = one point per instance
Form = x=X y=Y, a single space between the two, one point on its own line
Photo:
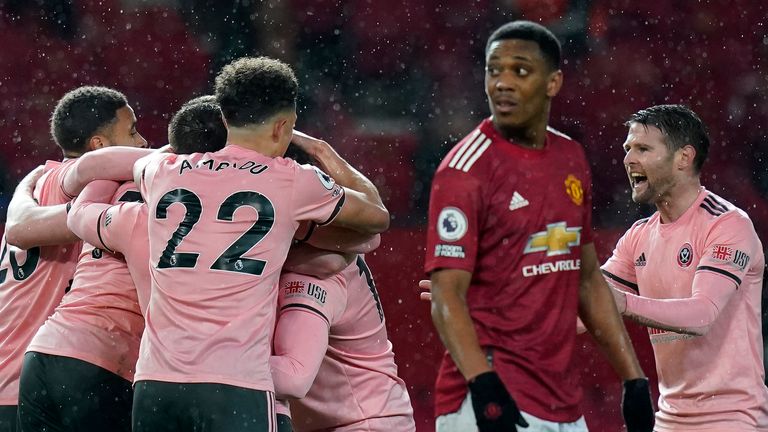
x=515 y=218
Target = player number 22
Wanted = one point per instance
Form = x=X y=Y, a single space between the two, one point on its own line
x=232 y=258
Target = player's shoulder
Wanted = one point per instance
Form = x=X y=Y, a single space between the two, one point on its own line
x=564 y=142
x=716 y=212
x=713 y=207
x=640 y=226
x=471 y=152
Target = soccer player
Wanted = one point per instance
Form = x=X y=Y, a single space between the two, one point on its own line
x=220 y=227
x=511 y=259
x=692 y=273
x=341 y=366
x=78 y=369
x=34 y=278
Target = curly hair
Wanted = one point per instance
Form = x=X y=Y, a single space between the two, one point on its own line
x=197 y=128
x=82 y=113
x=250 y=90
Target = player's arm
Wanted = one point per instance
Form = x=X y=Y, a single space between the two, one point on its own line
x=601 y=317
x=453 y=323
x=339 y=239
x=29 y=224
x=87 y=210
x=111 y=163
x=597 y=310
x=363 y=209
x=695 y=315
x=309 y=260
x=297 y=355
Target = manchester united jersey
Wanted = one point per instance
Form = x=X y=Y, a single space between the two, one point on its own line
x=516 y=218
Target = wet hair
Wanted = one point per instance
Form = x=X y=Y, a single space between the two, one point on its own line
x=680 y=127
x=201 y=99
x=530 y=31
x=251 y=90
x=82 y=113
x=197 y=128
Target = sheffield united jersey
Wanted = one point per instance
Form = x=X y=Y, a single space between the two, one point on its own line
x=356 y=387
x=515 y=218
x=220 y=226
x=713 y=382
x=32 y=283
x=99 y=320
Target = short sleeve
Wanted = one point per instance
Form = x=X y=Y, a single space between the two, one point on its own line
x=731 y=247
x=116 y=225
x=50 y=188
x=152 y=162
x=324 y=297
x=316 y=196
x=620 y=267
x=454 y=220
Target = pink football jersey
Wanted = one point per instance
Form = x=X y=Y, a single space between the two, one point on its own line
x=220 y=226
x=356 y=387
x=99 y=320
x=32 y=283
x=713 y=382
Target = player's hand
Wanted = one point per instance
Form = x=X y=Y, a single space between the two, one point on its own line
x=426 y=285
x=636 y=406
x=307 y=143
x=495 y=411
x=27 y=184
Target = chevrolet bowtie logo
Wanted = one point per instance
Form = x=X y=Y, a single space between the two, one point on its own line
x=556 y=240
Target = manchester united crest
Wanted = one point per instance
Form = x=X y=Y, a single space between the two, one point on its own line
x=574 y=190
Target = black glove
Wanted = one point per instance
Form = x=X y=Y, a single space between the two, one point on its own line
x=495 y=411
x=636 y=406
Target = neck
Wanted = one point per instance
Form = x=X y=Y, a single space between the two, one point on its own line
x=257 y=138
x=533 y=135
x=678 y=199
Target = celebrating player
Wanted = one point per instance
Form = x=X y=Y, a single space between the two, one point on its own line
x=694 y=272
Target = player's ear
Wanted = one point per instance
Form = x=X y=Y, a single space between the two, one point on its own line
x=96 y=142
x=279 y=128
x=686 y=157
x=554 y=83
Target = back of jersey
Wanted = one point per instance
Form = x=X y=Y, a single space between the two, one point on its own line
x=357 y=387
x=220 y=225
x=32 y=283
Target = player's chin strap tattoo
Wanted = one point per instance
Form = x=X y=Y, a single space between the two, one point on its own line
x=494 y=408
x=636 y=406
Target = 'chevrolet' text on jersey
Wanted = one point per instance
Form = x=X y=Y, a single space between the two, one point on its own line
x=713 y=382
x=220 y=226
x=515 y=218
x=32 y=283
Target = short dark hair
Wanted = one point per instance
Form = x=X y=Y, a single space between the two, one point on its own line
x=680 y=127
x=250 y=90
x=530 y=31
x=201 y=99
x=197 y=128
x=82 y=113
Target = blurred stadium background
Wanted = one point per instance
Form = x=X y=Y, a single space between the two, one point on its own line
x=392 y=85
